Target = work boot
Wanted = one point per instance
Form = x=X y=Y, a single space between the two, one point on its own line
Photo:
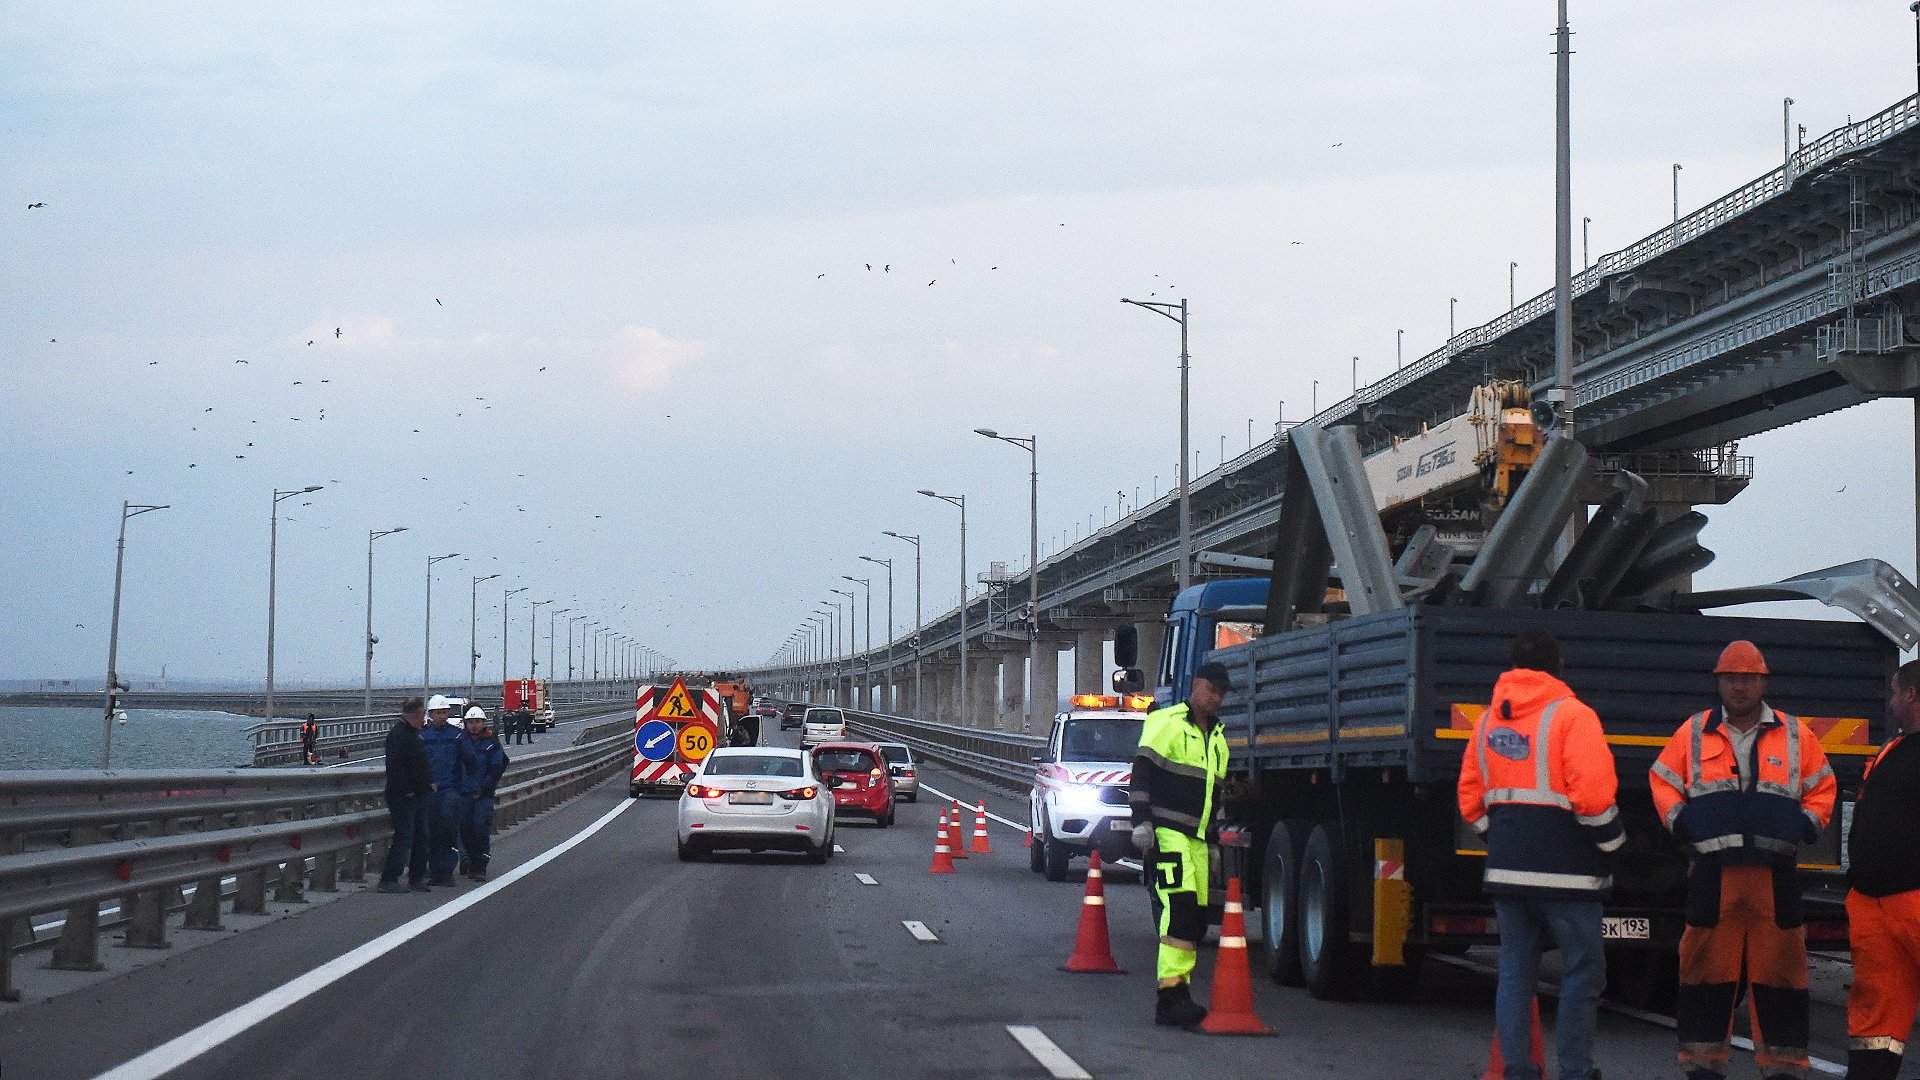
x=393 y=887
x=442 y=880
x=480 y=873
x=418 y=886
x=1176 y=1008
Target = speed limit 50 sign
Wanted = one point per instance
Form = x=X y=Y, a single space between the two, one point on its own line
x=697 y=739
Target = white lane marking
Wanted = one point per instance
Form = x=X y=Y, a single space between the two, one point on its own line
x=865 y=879
x=838 y=850
x=991 y=816
x=1820 y=1065
x=919 y=930
x=176 y=1052
x=1051 y=1057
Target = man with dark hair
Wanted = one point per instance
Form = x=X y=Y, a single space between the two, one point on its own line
x=1537 y=782
x=409 y=787
x=1175 y=798
x=1883 y=909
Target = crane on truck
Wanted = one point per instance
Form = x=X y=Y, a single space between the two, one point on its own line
x=1362 y=658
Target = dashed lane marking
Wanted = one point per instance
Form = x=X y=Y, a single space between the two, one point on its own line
x=919 y=931
x=176 y=1052
x=865 y=879
x=838 y=850
x=1051 y=1057
x=1820 y=1065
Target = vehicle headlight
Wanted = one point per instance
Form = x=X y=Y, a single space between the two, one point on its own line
x=1081 y=797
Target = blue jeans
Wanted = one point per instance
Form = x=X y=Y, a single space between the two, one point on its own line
x=477 y=832
x=449 y=810
x=408 y=848
x=1574 y=927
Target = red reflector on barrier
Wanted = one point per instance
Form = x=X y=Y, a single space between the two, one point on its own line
x=123 y=870
x=225 y=854
x=295 y=842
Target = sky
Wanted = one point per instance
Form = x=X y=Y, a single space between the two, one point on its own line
x=582 y=294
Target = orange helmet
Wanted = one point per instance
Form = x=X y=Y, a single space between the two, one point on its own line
x=1741 y=658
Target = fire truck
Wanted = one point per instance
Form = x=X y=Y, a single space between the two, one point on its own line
x=530 y=696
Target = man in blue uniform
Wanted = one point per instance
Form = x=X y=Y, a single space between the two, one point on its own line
x=445 y=812
x=481 y=762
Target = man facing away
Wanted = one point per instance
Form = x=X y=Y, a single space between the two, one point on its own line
x=1883 y=909
x=1537 y=782
x=481 y=763
x=409 y=787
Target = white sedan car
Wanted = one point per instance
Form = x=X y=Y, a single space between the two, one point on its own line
x=756 y=798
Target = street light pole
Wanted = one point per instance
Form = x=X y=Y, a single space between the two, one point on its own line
x=273 y=562
x=366 y=695
x=1186 y=504
x=127 y=510
x=851 y=624
x=914 y=539
x=533 y=638
x=426 y=659
x=866 y=653
x=506 y=600
x=1512 y=297
x=473 y=633
x=572 y=621
x=1786 y=137
x=1586 y=258
x=892 y=676
x=1031 y=444
x=1563 y=227
x=553 y=618
x=961 y=502
x=1676 y=200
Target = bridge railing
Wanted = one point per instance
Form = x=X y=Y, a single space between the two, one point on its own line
x=71 y=839
x=1003 y=757
x=277 y=742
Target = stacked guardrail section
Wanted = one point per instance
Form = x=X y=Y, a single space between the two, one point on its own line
x=71 y=839
x=1003 y=757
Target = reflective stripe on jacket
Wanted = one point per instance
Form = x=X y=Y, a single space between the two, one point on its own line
x=1538 y=782
x=1176 y=771
x=1758 y=811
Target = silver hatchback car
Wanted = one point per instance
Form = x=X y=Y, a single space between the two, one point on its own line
x=905 y=770
x=756 y=798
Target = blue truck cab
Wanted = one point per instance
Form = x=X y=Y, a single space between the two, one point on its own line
x=1203 y=618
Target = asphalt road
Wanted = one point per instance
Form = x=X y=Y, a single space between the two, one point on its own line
x=613 y=959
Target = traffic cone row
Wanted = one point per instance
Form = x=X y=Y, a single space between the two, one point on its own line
x=1496 y=1063
x=1092 y=952
x=980 y=844
x=942 y=851
x=1231 y=1010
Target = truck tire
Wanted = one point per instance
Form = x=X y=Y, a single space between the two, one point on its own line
x=1643 y=978
x=1058 y=858
x=1280 y=904
x=1330 y=966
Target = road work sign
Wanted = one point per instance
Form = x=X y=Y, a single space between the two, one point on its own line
x=697 y=739
x=654 y=740
x=677 y=704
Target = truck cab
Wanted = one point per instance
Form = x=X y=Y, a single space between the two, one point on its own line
x=1203 y=618
x=1078 y=801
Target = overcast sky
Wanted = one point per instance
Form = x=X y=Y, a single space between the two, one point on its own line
x=574 y=256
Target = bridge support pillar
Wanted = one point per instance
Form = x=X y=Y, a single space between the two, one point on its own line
x=982 y=688
x=250 y=893
x=1013 y=692
x=1152 y=634
x=1089 y=662
x=1046 y=685
x=146 y=913
x=293 y=874
x=79 y=946
x=203 y=911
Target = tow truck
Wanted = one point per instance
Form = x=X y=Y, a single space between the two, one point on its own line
x=1079 y=797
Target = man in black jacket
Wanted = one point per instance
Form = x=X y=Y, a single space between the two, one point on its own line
x=409 y=791
x=1883 y=910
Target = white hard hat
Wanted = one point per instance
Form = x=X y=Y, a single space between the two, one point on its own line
x=476 y=713
x=437 y=701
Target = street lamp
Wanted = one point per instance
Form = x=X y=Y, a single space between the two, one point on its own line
x=273 y=560
x=892 y=678
x=1399 y=342
x=473 y=633
x=586 y=632
x=426 y=660
x=533 y=638
x=915 y=541
x=1452 y=303
x=572 y=621
x=1786 y=137
x=867 y=652
x=1512 y=298
x=1030 y=443
x=366 y=694
x=961 y=502
x=1676 y=200
x=1585 y=258
x=127 y=510
x=1186 y=505
x=506 y=599
x=553 y=618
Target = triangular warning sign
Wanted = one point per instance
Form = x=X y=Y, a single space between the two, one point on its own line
x=677 y=704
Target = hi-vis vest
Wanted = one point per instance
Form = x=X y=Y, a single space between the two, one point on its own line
x=1757 y=811
x=1538 y=783
x=1176 y=772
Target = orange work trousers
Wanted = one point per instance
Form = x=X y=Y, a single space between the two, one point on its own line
x=1885 y=934
x=1746 y=935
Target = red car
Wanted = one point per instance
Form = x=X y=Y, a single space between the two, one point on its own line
x=858 y=775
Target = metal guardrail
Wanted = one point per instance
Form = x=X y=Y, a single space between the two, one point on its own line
x=70 y=839
x=278 y=742
x=1003 y=757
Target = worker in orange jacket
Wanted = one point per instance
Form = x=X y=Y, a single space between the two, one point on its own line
x=1883 y=908
x=1743 y=786
x=1538 y=782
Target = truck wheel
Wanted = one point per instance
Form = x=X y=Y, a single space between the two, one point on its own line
x=1279 y=907
x=1395 y=983
x=1057 y=859
x=1329 y=965
x=1643 y=978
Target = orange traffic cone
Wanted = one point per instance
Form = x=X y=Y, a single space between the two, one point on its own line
x=942 y=854
x=1231 y=1010
x=980 y=844
x=1026 y=838
x=1092 y=954
x=958 y=835
x=1496 y=1064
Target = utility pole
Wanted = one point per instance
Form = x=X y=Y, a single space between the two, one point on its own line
x=533 y=638
x=366 y=699
x=127 y=510
x=1185 y=576
x=473 y=633
x=426 y=659
x=273 y=564
x=1563 y=228
x=914 y=539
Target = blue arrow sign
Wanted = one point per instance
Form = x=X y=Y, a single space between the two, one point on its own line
x=653 y=740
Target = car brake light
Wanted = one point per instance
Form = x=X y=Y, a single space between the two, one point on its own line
x=807 y=792
x=907 y=773
x=703 y=791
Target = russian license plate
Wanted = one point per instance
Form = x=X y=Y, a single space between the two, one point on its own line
x=1120 y=825
x=1625 y=928
x=749 y=798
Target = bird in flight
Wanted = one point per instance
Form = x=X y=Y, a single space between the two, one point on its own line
x=325 y=381
x=336 y=333
x=930 y=283
x=35 y=205
x=993 y=268
x=817 y=277
x=153 y=363
x=192 y=466
x=437 y=303
x=296 y=382
x=543 y=369
x=79 y=626
x=869 y=267
x=1338 y=145
x=309 y=341
x=53 y=341
x=887 y=269
x=243 y=361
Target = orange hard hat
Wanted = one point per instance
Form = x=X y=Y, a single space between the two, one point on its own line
x=1741 y=658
